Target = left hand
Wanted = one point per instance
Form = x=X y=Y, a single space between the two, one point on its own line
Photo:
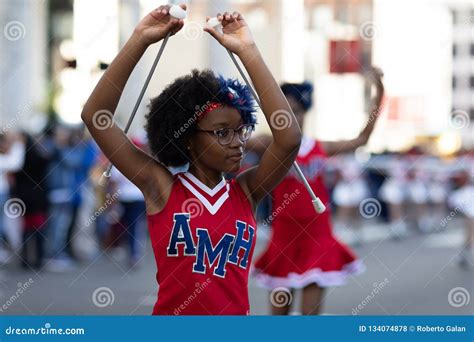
x=374 y=76
x=157 y=24
x=236 y=35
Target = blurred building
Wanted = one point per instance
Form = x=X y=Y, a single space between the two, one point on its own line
x=463 y=68
x=53 y=53
x=23 y=63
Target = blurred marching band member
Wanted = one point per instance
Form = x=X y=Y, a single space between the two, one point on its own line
x=461 y=200
x=12 y=157
x=349 y=192
x=303 y=253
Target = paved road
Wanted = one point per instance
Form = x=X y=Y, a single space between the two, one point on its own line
x=417 y=273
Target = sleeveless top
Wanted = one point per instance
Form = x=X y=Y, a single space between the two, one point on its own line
x=203 y=242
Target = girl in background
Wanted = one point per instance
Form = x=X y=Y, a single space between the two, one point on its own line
x=303 y=252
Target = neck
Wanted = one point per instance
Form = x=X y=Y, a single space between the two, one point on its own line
x=208 y=177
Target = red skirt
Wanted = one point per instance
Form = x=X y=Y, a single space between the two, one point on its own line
x=303 y=253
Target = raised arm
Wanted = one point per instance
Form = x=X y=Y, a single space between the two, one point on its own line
x=146 y=173
x=258 y=144
x=281 y=153
x=345 y=146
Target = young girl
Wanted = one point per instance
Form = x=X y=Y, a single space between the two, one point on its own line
x=202 y=227
x=302 y=252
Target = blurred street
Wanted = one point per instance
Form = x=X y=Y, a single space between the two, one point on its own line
x=421 y=271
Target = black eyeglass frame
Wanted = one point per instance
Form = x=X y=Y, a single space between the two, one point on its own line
x=234 y=130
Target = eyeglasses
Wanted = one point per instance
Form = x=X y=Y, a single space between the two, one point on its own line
x=226 y=135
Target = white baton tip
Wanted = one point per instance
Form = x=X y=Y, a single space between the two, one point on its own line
x=213 y=22
x=319 y=206
x=104 y=179
x=177 y=12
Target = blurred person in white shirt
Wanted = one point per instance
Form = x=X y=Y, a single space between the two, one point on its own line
x=12 y=156
x=134 y=211
x=461 y=201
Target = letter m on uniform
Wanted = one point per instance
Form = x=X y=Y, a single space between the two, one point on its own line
x=214 y=254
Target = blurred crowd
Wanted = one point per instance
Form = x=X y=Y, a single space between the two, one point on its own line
x=411 y=192
x=55 y=214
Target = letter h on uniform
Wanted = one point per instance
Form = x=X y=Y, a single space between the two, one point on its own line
x=241 y=243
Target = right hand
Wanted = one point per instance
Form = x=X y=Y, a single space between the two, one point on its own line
x=157 y=24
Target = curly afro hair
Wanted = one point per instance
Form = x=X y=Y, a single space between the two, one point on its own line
x=174 y=114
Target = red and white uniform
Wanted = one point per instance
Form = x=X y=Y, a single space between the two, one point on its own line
x=203 y=242
x=302 y=249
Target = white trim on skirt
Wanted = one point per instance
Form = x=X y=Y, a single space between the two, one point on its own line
x=315 y=275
